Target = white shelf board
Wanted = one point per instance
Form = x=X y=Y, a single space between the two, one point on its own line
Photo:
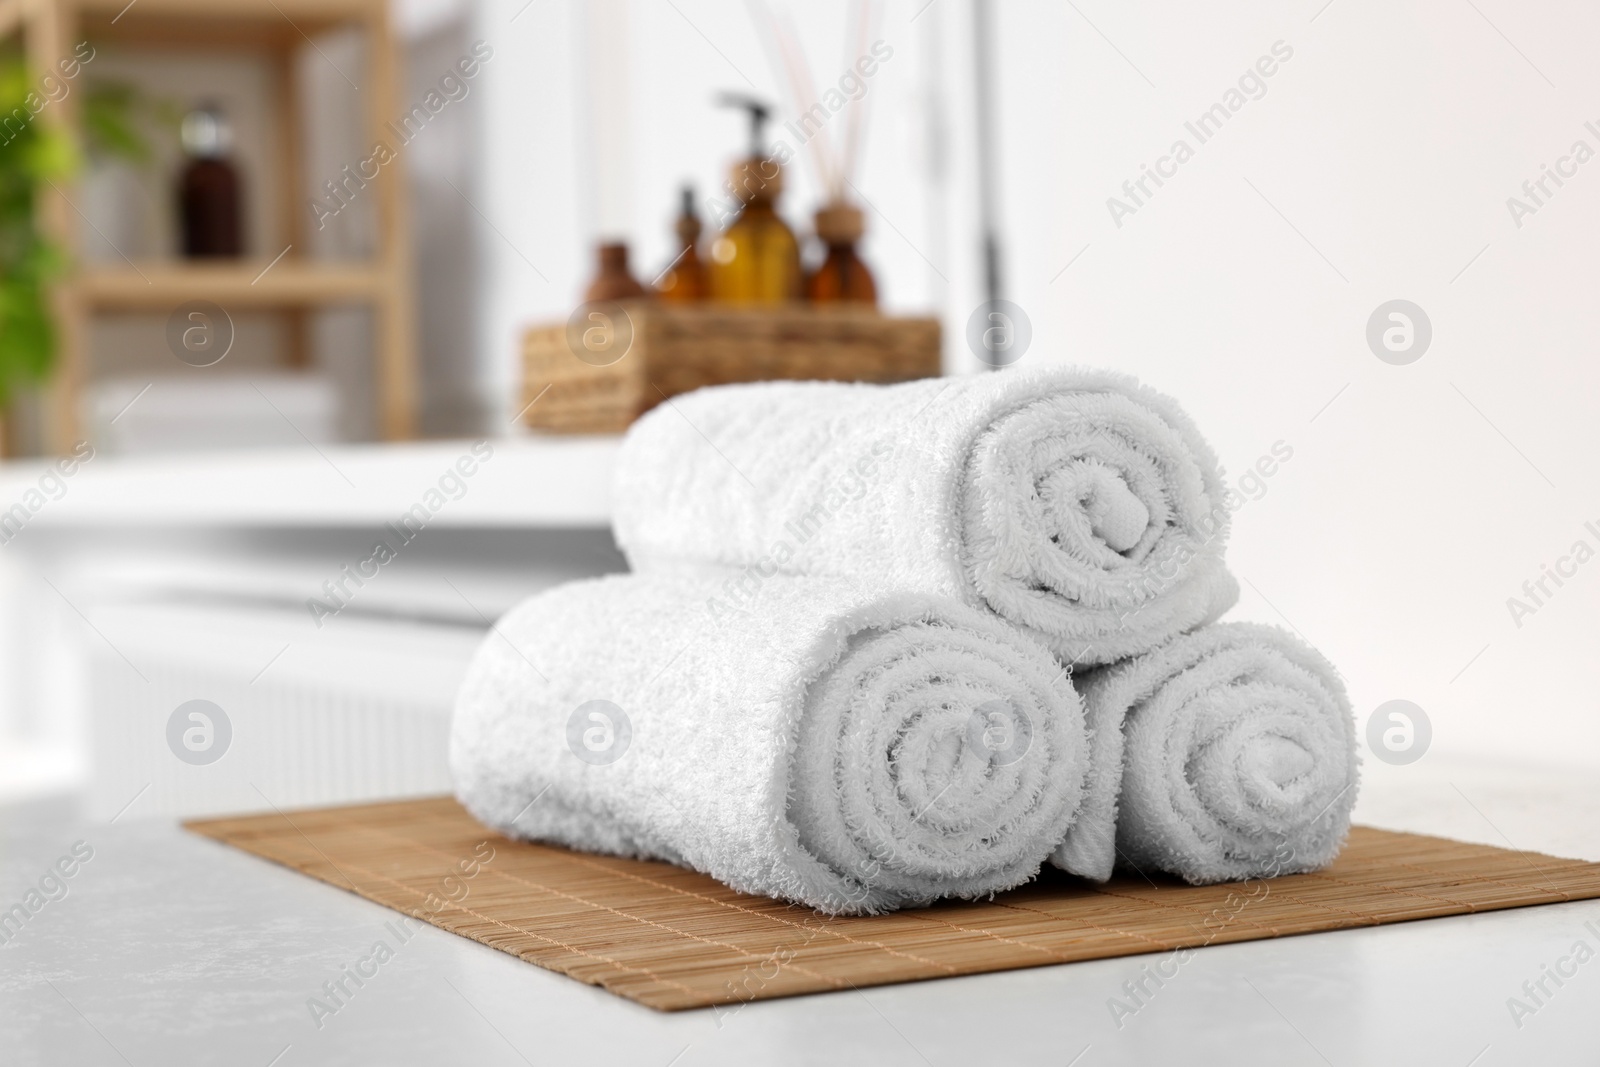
x=533 y=481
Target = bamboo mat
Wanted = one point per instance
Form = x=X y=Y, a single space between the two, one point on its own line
x=672 y=939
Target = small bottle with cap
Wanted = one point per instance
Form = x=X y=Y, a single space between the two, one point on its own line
x=756 y=260
x=684 y=282
x=613 y=279
x=841 y=278
x=209 y=197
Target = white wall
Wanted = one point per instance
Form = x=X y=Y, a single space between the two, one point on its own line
x=1376 y=166
x=1391 y=141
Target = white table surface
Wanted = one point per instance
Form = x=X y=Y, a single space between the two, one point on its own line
x=172 y=949
x=530 y=480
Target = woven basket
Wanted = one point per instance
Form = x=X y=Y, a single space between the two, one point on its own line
x=610 y=363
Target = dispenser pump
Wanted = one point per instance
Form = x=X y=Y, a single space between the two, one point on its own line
x=759 y=112
x=757 y=176
x=756 y=259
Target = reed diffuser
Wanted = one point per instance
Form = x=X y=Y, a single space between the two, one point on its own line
x=840 y=277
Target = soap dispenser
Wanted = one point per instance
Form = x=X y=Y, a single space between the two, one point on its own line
x=756 y=260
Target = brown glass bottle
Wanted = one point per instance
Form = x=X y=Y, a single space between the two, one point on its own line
x=685 y=281
x=756 y=260
x=841 y=278
x=210 y=204
x=613 y=281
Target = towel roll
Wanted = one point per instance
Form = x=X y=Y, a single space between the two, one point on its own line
x=850 y=750
x=1228 y=753
x=1076 y=504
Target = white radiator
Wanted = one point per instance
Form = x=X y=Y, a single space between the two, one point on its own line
x=357 y=710
x=151 y=583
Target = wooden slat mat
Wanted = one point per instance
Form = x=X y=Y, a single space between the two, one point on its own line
x=672 y=939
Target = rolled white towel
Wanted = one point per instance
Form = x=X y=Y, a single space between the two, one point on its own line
x=1228 y=753
x=849 y=750
x=1077 y=504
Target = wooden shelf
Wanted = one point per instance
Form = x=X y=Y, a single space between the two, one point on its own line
x=279 y=31
x=190 y=22
x=12 y=14
x=234 y=9
x=162 y=286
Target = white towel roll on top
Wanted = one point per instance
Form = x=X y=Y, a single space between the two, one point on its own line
x=1076 y=504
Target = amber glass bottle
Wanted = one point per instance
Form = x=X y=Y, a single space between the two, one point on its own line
x=756 y=260
x=841 y=278
x=685 y=280
x=210 y=205
x=613 y=280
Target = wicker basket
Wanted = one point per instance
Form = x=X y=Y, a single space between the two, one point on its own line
x=610 y=363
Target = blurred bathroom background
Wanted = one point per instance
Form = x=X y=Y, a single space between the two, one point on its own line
x=1391 y=511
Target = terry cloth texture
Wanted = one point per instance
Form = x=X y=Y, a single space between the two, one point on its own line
x=1076 y=504
x=1228 y=753
x=852 y=750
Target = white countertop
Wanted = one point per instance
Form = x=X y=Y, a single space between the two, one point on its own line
x=170 y=948
x=528 y=481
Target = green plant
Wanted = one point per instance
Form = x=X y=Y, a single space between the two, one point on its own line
x=31 y=154
x=111 y=120
x=34 y=154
